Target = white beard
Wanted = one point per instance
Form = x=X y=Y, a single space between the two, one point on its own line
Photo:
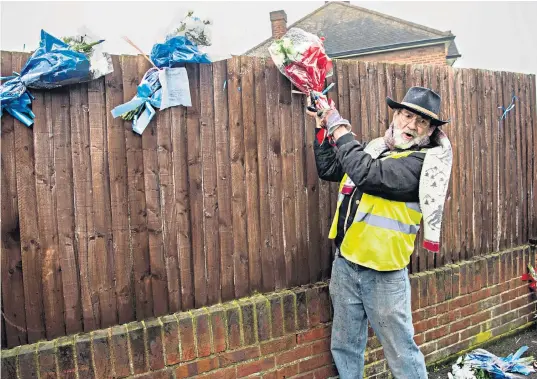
x=403 y=144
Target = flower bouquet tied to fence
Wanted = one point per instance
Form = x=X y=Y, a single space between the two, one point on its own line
x=300 y=56
x=55 y=63
x=166 y=84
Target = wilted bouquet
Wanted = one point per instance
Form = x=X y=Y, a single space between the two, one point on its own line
x=54 y=64
x=82 y=44
x=195 y=29
x=481 y=364
x=180 y=47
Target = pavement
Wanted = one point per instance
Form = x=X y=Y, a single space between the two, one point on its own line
x=501 y=348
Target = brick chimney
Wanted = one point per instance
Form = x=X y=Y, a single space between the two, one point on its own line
x=278 y=21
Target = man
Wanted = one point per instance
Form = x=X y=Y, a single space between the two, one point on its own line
x=381 y=198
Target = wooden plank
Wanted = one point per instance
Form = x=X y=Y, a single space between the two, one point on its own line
x=477 y=128
x=182 y=206
x=157 y=260
x=117 y=162
x=510 y=164
x=494 y=179
x=133 y=70
x=519 y=143
x=487 y=182
x=238 y=188
x=343 y=88
x=526 y=156
x=510 y=151
x=313 y=203
x=61 y=129
x=453 y=132
x=531 y=99
x=210 y=201
x=30 y=240
x=288 y=195
x=367 y=134
x=355 y=99
x=390 y=86
x=373 y=109
x=525 y=141
x=275 y=172
x=502 y=153
x=101 y=263
x=267 y=262
x=45 y=187
x=13 y=312
x=167 y=210
x=298 y=104
x=247 y=93
x=495 y=169
x=383 y=120
x=469 y=167
x=400 y=79
x=441 y=75
x=83 y=206
x=195 y=188
x=531 y=171
x=461 y=133
x=223 y=170
x=288 y=191
x=483 y=135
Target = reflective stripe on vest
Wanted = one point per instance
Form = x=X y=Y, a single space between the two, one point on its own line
x=388 y=223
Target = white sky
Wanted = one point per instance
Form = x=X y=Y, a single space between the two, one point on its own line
x=490 y=35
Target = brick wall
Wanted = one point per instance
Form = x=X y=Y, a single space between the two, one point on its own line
x=435 y=55
x=287 y=334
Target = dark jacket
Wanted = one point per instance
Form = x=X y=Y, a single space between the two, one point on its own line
x=391 y=179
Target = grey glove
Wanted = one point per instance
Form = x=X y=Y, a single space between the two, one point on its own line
x=331 y=120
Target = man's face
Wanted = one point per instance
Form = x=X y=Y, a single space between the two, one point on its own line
x=410 y=129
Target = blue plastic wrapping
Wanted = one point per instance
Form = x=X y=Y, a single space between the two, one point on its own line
x=501 y=367
x=148 y=97
x=176 y=51
x=52 y=65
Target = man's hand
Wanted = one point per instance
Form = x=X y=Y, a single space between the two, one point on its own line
x=318 y=119
x=329 y=119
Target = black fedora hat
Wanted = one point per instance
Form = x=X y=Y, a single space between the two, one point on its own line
x=422 y=101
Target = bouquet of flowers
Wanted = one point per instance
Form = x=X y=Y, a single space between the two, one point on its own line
x=54 y=64
x=141 y=109
x=157 y=89
x=481 y=364
x=183 y=44
x=300 y=56
x=91 y=46
x=194 y=29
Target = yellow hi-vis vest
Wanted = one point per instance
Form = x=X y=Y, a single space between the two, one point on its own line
x=382 y=233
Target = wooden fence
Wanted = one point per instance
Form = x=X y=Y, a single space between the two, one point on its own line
x=220 y=200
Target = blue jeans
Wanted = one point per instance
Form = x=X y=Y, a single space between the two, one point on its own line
x=360 y=294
